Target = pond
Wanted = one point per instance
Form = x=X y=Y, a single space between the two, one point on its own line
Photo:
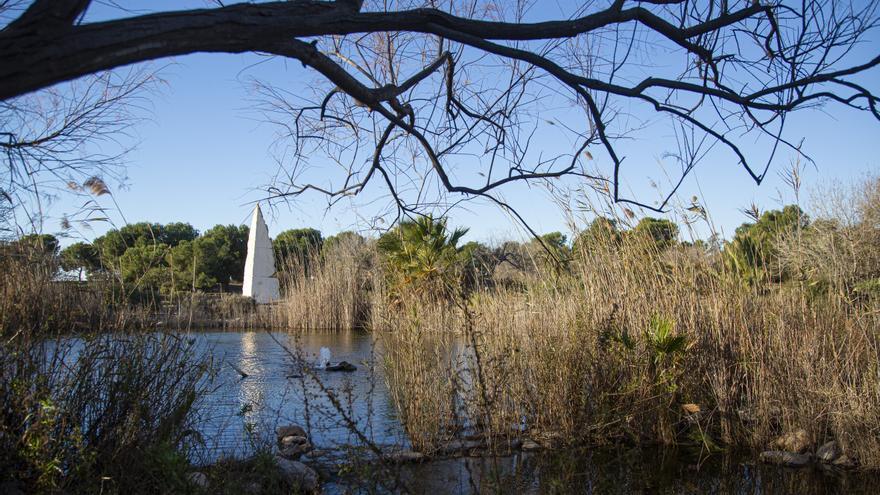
x=259 y=385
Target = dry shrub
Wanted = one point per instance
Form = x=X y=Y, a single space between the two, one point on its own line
x=32 y=298
x=109 y=413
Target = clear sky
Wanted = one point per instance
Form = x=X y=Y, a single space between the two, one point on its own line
x=203 y=155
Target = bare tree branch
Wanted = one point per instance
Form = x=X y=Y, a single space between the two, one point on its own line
x=452 y=100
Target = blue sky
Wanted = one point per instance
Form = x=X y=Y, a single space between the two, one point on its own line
x=203 y=153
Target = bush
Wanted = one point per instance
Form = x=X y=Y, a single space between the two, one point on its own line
x=112 y=413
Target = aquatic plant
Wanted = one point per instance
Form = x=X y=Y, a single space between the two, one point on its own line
x=753 y=358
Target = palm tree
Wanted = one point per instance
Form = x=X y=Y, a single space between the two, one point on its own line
x=423 y=252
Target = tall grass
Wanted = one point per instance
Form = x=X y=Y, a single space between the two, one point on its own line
x=645 y=343
x=421 y=368
x=81 y=410
x=328 y=290
x=31 y=298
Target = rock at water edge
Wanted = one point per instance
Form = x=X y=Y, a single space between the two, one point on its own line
x=290 y=431
x=783 y=458
x=300 y=476
x=797 y=441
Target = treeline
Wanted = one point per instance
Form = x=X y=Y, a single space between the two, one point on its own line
x=778 y=246
x=426 y=255
x=176 y=257
x=166 y=257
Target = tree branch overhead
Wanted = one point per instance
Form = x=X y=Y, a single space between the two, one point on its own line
x=738 y=68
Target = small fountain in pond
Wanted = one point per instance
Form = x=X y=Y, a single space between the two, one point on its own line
x=324 y=363
x=324 y=358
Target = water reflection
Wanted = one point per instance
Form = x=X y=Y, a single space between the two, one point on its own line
x=251 y=391
x=628 y=471
x=242 y=412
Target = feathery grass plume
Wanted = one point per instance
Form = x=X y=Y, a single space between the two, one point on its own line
x=96 y=186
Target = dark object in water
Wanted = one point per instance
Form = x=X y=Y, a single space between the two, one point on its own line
x=341 y=366
x=239 y=370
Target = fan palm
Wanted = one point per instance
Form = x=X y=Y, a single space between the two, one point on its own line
x=422 y=251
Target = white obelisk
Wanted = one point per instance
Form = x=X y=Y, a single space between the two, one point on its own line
x=259 y=268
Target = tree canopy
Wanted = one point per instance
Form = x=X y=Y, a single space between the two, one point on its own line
x=38 y=244
x=753 y=251
x=81 y=257
x=115 y=242
x=660 y=231
x=169 y=256
x=296 y=245
x=602 y=231
x=229 y=245
x=144 y=266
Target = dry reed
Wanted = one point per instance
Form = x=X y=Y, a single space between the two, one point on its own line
x=646 y=344
x=330 y=290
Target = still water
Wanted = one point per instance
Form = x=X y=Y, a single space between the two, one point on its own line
x=260 y=384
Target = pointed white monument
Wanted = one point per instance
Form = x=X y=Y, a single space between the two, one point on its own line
x=259 y=268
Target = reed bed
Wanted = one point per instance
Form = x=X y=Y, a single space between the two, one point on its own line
x=643 y=344
x=330 y=290
x=31 y=299
x=627 y=340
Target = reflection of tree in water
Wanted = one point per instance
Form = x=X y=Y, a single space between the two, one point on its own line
x=633 y=470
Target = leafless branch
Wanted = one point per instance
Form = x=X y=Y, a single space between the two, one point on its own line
x=453 y=99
